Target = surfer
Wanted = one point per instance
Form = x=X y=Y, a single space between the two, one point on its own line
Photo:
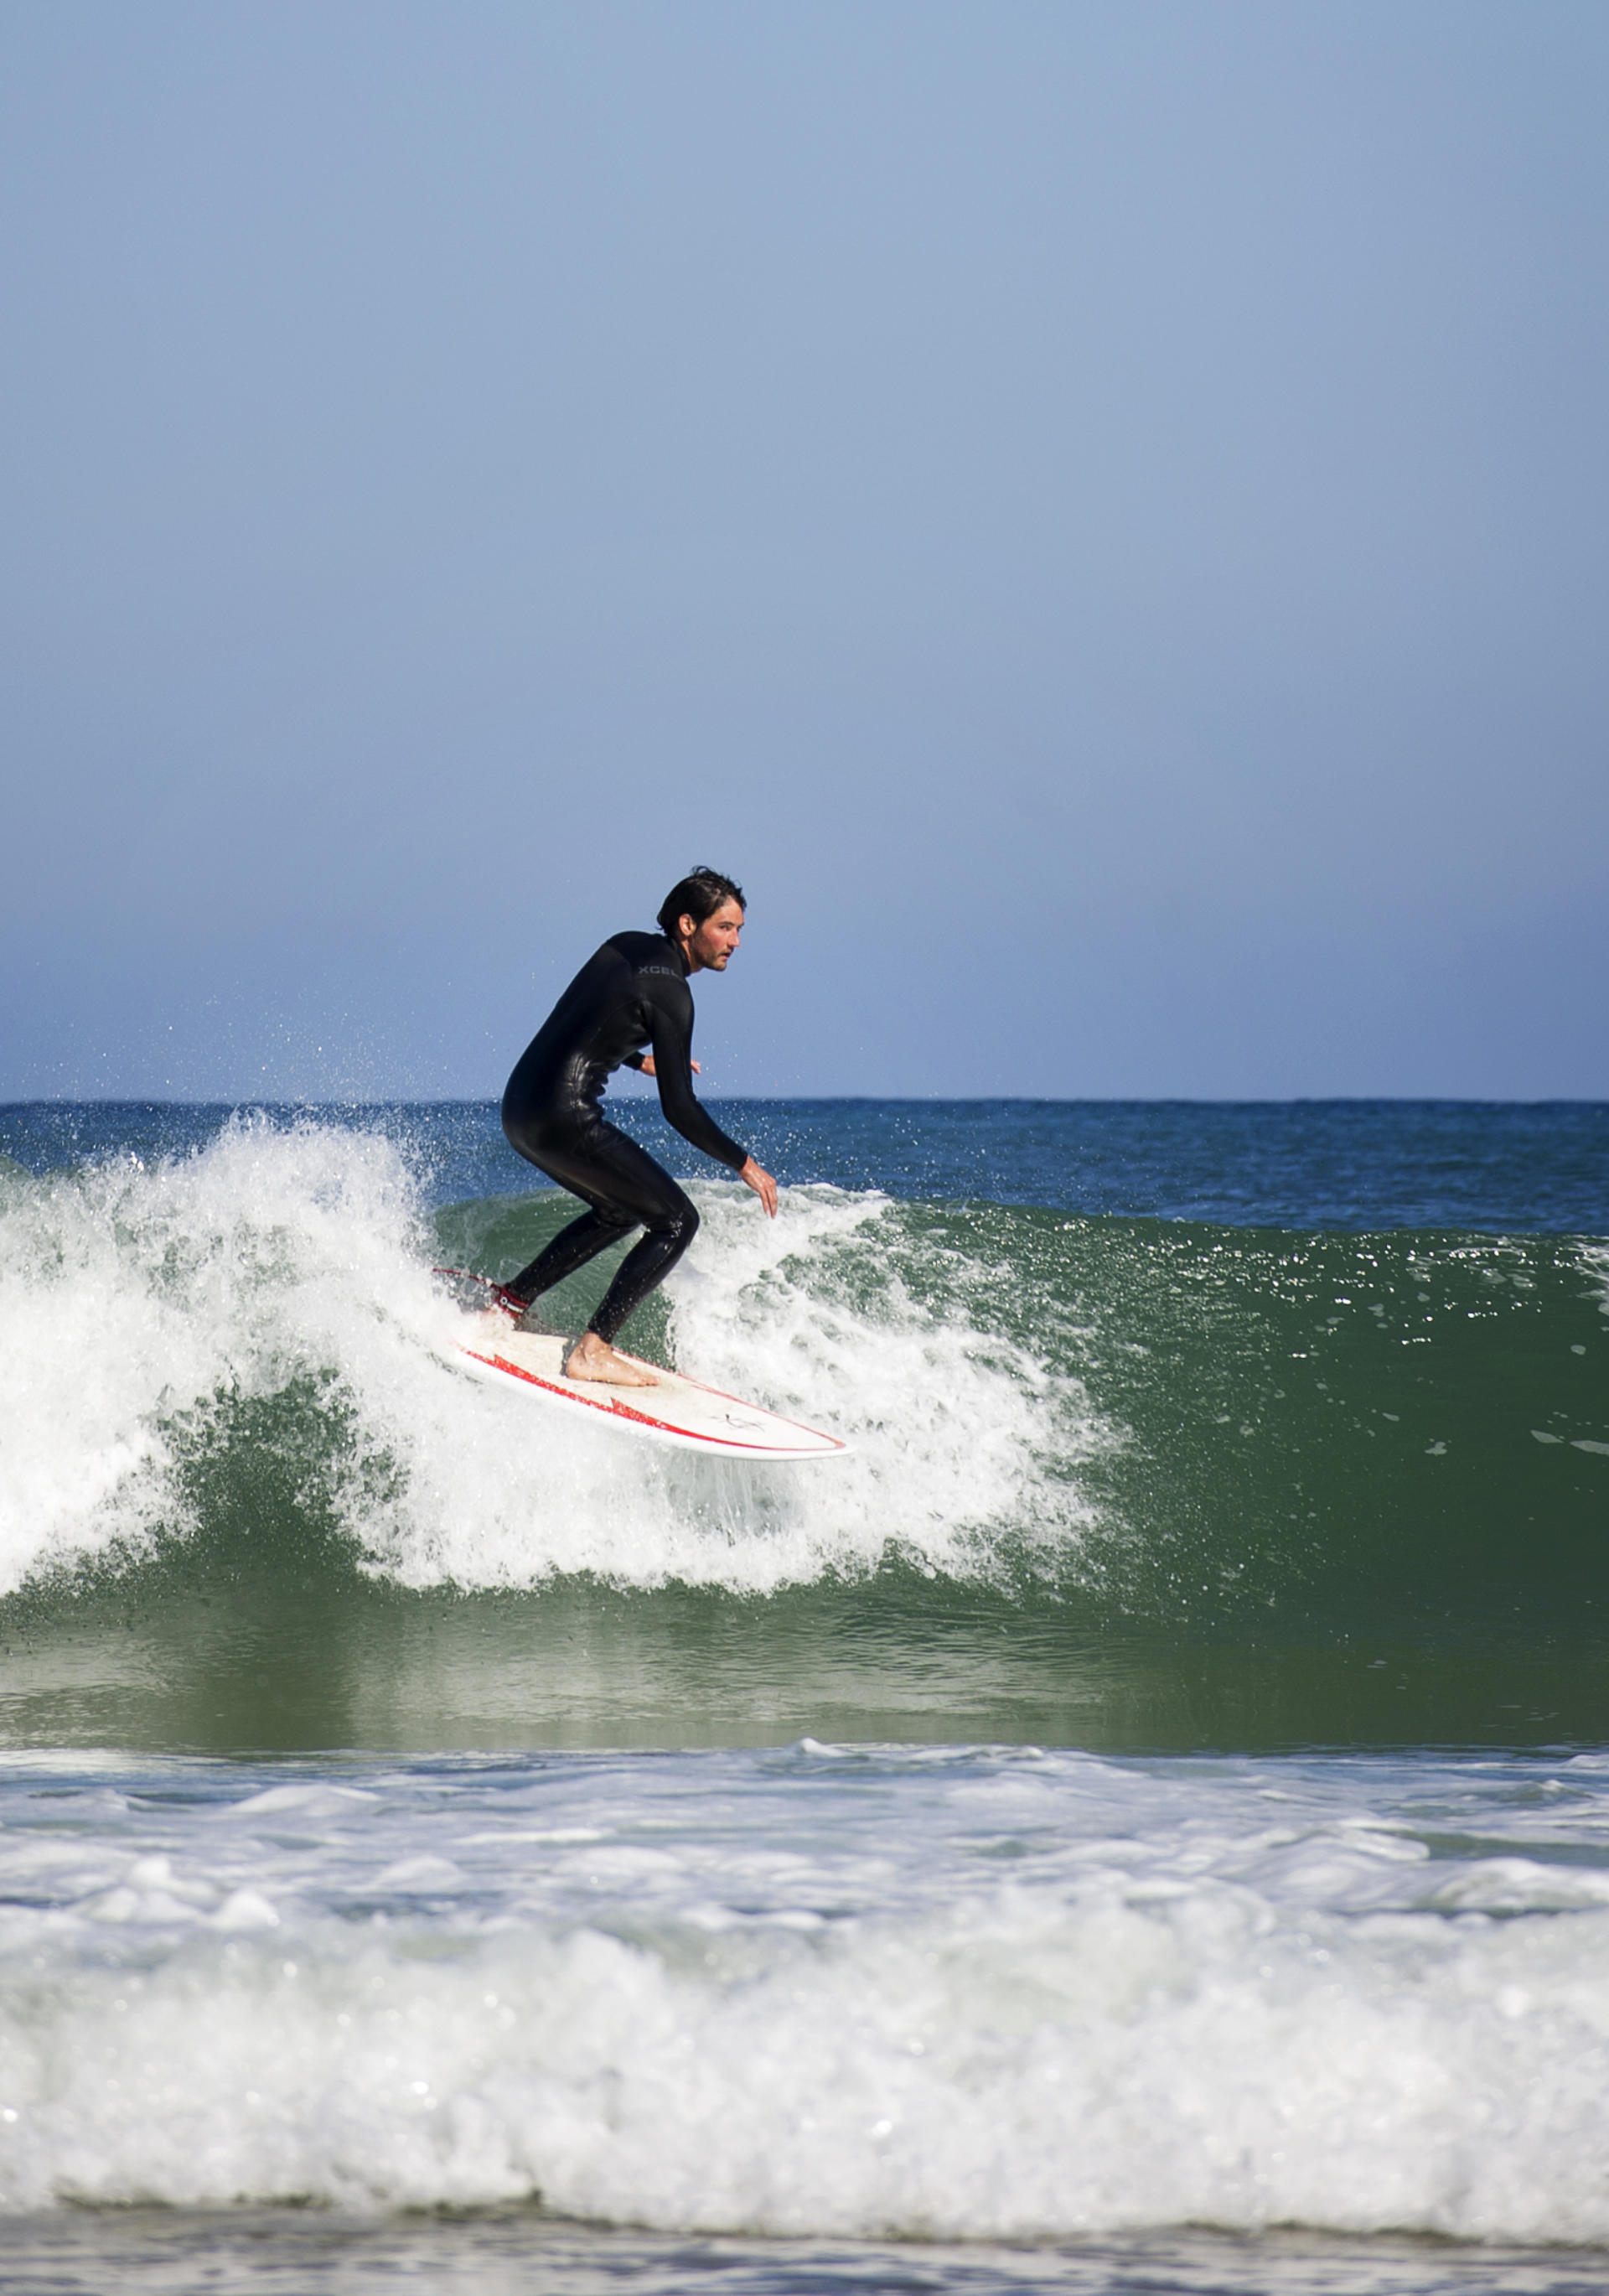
x=630 y=1004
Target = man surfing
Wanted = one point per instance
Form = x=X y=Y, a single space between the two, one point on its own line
x=629 y=1006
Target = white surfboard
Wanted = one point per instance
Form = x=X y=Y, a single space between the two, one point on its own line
x=675 y=1410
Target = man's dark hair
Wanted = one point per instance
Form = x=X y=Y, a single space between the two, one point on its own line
x=698 y=896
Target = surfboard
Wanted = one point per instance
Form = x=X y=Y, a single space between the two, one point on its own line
x=676 y=1410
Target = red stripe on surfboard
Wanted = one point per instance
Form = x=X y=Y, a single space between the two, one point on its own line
x=618 y=1410
x=743 y=1402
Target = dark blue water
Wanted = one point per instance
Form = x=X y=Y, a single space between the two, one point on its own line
x=1359 y=1165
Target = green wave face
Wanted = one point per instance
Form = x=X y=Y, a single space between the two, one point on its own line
x=1117 y=1483
x=1360 y=1435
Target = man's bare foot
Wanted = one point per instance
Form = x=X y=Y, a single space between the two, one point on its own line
x=592 y=1358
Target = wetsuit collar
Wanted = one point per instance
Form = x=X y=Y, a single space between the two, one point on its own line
x=680 y=955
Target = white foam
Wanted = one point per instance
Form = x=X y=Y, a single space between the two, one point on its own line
x=133 y=1298
x=133 y=1295
x=934 y=1993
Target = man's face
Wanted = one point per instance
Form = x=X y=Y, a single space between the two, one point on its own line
x=709 y=946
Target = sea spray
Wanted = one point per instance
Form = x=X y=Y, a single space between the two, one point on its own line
x=137 y=1301
x=148 y=1308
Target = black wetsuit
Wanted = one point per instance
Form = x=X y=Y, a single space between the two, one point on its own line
x=631 y=998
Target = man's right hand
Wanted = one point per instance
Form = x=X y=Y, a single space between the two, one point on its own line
x=755 y=1177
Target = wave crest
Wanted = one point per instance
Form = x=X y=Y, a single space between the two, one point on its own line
x=149 y=1309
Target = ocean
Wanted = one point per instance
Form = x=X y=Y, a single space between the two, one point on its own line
x=1137 y=1820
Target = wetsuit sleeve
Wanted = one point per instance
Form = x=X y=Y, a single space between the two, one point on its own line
x=631 y=1061
x=672 y=1011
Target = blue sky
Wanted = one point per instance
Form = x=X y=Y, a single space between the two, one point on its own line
x=1095 y=513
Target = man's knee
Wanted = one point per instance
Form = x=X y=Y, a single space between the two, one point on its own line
x=678 y=1221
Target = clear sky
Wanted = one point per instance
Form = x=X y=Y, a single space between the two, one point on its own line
x=1095 y=512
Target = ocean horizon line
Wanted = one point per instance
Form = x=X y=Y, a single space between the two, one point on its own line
x=829 y=1100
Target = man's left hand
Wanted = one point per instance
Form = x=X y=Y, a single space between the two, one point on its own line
x=755 y=1177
